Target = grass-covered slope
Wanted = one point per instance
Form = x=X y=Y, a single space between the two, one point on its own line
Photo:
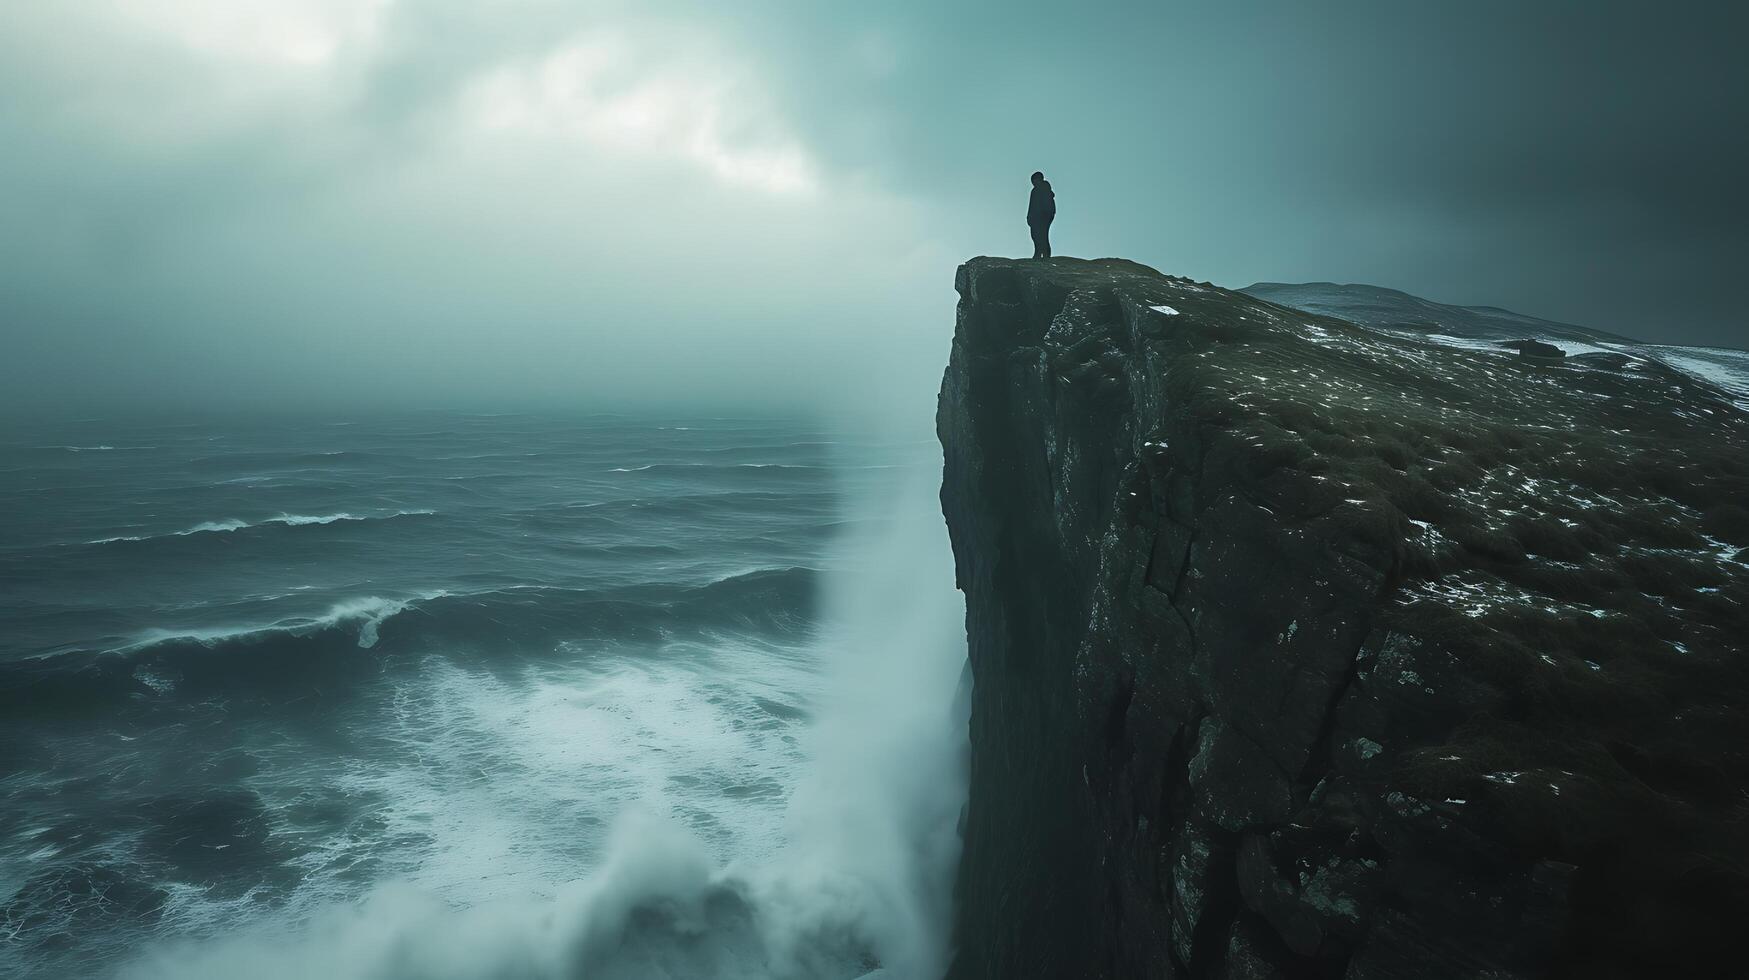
x=1397 y=313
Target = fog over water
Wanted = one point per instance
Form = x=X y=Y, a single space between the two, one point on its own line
x=429 y=202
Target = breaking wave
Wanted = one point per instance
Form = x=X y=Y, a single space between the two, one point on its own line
x=281 y=660
x=283 y=520
x=692 y=470
x=367 y=614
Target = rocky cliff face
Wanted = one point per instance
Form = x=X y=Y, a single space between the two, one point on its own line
x=1306 y=650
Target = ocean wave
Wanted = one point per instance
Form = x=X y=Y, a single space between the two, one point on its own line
x=287 y=659
x=720 y=467
x=368 y=613
x=99 y=449
x=285 y=520
x=755 y=595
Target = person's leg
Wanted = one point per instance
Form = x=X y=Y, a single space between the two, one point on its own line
x=1044 y=239
x=1039 y=249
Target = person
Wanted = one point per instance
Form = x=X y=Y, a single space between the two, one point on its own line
x=1039 y=212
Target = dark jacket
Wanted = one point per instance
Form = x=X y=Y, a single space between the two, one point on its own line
x=1043 y=206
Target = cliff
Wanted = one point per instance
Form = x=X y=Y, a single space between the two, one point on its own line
x=1302 y=649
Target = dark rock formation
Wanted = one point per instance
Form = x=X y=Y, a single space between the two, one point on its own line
x=1535 y=348
x=1303 y=649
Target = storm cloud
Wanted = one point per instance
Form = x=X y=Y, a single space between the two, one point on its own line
x=339 y=202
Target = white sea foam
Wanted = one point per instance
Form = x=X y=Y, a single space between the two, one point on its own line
x=299 y=520
x=289 y=520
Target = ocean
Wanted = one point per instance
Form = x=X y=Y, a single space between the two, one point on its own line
x=459 y=695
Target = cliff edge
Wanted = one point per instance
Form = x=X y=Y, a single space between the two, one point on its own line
x=1305 y=650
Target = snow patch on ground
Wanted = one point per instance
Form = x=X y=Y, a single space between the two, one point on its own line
x=1727 y=369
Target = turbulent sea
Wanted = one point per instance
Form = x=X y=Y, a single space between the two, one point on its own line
x=475 y=696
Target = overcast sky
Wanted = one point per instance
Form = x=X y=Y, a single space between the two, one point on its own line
x=522 y=202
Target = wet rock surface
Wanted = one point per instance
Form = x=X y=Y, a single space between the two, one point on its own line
x=1306 y=649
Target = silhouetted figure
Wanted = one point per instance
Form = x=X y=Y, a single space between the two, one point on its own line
x=1039 y=212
